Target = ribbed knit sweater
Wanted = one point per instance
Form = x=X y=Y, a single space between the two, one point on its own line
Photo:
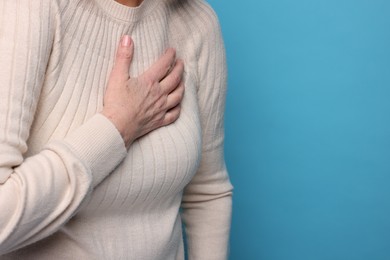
x=69 y=189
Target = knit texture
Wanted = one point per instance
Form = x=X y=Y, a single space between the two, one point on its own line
x=69 y=189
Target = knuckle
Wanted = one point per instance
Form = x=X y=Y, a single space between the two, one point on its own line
x=159 y=122
x=171 y=53
x=178 y=96
x=173 y=115
x=176 y=78
x=177 y=114
x=124 y=54
x=162 y=103
x=178 y=99
x=148 y=81
x=162 y=120
x=169 y=118
x=160 y=92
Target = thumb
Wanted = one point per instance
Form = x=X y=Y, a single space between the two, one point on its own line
x=123 y=58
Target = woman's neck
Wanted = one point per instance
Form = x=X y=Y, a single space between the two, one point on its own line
x=130 y=3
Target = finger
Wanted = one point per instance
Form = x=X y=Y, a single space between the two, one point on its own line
x=123 y=58
x=173 y=79
x=162 y=66
x=175 y=97
x=172 y=115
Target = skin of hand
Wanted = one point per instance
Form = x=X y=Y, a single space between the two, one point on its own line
x=139 y=105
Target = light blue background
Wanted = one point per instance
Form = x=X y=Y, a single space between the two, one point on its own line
x=308 y=128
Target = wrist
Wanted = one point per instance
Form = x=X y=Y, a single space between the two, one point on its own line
x=124 y=131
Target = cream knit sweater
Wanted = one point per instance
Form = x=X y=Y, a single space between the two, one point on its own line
x=69 y=189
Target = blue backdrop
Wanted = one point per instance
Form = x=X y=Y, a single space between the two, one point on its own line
x=308 y=128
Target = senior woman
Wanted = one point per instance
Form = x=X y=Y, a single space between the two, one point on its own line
x=102 y=152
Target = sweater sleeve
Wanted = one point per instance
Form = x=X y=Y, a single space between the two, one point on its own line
x=40 y=193
x=207 y=199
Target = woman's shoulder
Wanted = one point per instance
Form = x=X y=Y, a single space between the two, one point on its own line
x=44 y=9
x=197 y=29
x=198 y=15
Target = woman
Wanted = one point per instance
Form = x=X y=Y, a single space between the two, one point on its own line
x=99 y=146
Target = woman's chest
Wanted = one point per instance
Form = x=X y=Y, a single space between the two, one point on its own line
x=159 y=164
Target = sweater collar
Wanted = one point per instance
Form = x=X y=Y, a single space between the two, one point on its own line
x=125 y=13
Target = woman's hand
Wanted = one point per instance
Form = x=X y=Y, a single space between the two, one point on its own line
x=137 y=106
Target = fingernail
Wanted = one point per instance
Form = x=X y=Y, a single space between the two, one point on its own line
x=126 y=41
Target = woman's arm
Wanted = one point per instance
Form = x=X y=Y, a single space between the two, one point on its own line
x=207 y=201
x=40 y=193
